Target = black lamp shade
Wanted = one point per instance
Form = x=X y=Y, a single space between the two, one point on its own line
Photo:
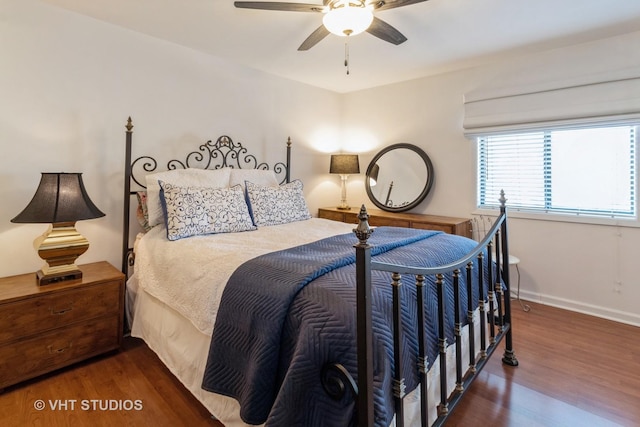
x=344 y=164
x=60 y=197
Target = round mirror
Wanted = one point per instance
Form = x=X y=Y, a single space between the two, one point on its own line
x=399 y=177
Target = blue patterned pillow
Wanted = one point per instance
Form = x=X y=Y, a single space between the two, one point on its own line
x=277 y=205
x=192 y=211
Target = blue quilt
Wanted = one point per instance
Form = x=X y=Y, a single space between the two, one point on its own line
x=285 y=315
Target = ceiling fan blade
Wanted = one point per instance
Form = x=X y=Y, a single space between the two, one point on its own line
x=278 y=5
x=392 y=4
x=320 y=33
x=386 y=32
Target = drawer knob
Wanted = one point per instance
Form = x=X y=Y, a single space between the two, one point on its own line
x=60 y=312
x=58 y=350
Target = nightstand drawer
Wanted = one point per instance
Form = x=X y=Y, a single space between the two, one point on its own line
x=32 y=357
x=27 y=317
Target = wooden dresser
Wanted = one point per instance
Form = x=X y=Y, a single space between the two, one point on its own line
x=459 y=226
x=43 y=328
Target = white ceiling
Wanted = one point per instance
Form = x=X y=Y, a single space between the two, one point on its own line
x=443 y=35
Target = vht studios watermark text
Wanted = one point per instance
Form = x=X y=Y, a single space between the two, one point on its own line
x=88 y=405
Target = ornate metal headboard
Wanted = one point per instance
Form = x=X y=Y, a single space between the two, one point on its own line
x=224 y=152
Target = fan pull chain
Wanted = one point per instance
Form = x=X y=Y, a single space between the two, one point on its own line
x=346 y=54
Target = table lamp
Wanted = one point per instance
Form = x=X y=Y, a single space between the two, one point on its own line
x=60 y=200
x=344 y=164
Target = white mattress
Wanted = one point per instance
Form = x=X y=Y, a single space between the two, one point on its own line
x=176 y=334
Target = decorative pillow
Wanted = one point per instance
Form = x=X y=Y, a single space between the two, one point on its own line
x=192 y=177
x=191 y=211
x=142 y=212
x=257 y=176
x=277 y=205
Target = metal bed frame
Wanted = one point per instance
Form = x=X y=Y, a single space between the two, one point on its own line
x=495 y=321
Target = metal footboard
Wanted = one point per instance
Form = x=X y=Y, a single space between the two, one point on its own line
x=494 y=320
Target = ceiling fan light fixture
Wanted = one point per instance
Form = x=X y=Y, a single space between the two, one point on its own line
x=348 y=20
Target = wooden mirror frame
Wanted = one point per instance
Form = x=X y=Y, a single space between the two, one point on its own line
x=425 y=190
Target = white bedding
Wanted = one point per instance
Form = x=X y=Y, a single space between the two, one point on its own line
x=175 y=305
x=182 y=348
x=184 y=351
x=194 y=290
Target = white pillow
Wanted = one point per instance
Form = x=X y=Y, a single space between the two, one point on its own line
x=193 y=211
x=192 y=177
x=277 y=205
x=256 y=176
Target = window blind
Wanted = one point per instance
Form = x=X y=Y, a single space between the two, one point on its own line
x=589 y=171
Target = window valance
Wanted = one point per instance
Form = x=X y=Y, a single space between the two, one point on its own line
x=611 y=97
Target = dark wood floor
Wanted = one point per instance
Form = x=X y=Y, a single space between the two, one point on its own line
x=134 y=373
x=575 y=370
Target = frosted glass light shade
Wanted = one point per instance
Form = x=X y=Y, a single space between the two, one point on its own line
x=348 y=20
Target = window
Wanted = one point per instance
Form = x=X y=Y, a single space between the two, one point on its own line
x=585 y=171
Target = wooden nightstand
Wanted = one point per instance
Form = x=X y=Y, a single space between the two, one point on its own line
x=459 y=226
x=43 y=328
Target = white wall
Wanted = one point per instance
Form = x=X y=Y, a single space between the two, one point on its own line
x=68 y=84
x=582 y=267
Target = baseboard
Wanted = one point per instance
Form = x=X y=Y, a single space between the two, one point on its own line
x=580 y=307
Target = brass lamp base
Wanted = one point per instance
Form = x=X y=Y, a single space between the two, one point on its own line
x=344 y=208
x=60 y=246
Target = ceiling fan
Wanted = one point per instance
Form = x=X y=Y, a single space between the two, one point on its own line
x=341 y=17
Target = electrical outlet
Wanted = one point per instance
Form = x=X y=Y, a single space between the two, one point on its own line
x=617 y=287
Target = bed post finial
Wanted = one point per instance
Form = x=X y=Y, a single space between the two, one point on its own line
x=129 y=125
x=289 y=141
x=363 y=231
x=502 y=199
